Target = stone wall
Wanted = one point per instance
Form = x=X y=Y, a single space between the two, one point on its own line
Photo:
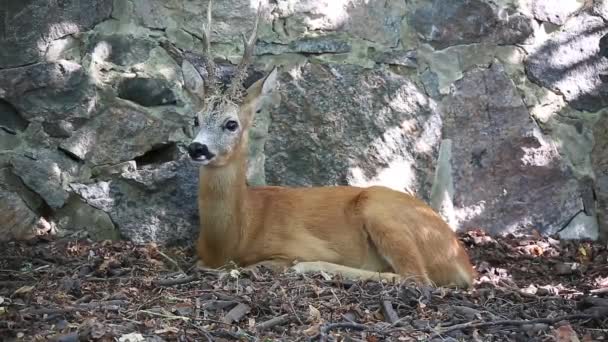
x=493 y=111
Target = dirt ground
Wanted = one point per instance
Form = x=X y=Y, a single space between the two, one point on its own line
x=530 y=288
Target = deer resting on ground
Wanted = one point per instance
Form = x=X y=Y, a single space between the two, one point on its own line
x=358 y=233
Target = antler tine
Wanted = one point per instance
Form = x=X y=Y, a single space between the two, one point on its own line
x=249 y=48
x=209 y=63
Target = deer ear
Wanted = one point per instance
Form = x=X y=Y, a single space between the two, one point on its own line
x=263 y=87
x=269 y=82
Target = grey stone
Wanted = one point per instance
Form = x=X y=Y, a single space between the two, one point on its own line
x=569 y=63
x=47 y=174
x=8 y=140
x=12 y=183
x=59 y=128
x=29 y=27
x=10 y=119
x=312 y=45
x=120 y=49
x=96 y=194
x=67 y=48
x=406 y=58
x=81 y=219
x=599 y=160
x=320 y=45
x=158 y=204
x=444 y=23
x=344 y=124
x=53 y=91
x=120 y=133
x=236 y=17
x=507 y=175
x=17 y=221
x=147 y=92
x=548 y=10
x=376 y=21
x=600 y=7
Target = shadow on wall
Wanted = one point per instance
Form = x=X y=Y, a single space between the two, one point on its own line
x=573 y=63
x=343 y=124
x=533 y=173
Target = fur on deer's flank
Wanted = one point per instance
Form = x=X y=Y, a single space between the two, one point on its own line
x=359 y=233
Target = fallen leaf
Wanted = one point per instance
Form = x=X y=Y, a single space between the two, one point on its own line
x=313 y=330
x=314 y=314
x=132 y=337
x=565 y=333
x=172 y=330
x=23 y=290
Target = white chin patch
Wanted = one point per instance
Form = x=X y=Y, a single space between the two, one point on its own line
x=200 y=161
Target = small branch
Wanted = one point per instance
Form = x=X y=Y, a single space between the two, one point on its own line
x=280 y=320
x=326 y=328
x=171 y=316
x=170 y=260
x=176 y=281
x=514 y=322
x=599 y=291
x=110 y=305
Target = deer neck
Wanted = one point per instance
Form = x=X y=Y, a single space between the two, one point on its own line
x=223 y=204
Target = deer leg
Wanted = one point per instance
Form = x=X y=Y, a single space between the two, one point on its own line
x=398 y=250
x=275 y=266
x=344 y=271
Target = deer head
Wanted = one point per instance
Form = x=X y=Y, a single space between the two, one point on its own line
x=224 y=118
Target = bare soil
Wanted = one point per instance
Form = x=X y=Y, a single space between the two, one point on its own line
x=530 y=288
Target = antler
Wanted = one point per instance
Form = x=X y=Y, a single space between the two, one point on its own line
x=234 y=91
x=210 y=64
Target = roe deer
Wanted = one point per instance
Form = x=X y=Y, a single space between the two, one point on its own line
x=359 y=233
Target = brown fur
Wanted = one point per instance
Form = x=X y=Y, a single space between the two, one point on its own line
x=370 y=233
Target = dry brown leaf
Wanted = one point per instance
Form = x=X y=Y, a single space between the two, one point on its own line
x=23 y=290
x=314 y=315
x=565 y=333
x=313 y=330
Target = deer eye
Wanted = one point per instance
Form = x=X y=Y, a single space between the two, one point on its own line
x=231 y=125
x=196 y=123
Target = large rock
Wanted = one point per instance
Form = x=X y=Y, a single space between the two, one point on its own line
x=546 y=10
x=47 y=173
x=79 y=218
x=120 y=49
x=157 y=203
x=17 y=220
x=29 y=27
x=343 y=124
x=570 y=63
x=599 y=157
x=10 y=119
x=507 y=174
x=444 y=23
x=52 y=91
x=123 y=132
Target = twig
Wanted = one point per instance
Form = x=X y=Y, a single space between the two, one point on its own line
x=593 y=301
x=390 y=315
x=515 y=322
x=177 y=281
x=159 y=314
x=110 y=305
x=599 y=291
x=170 y=260
x=326 y=328
x=279 y=320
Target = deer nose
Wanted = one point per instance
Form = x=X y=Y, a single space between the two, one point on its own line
x=197 y=150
